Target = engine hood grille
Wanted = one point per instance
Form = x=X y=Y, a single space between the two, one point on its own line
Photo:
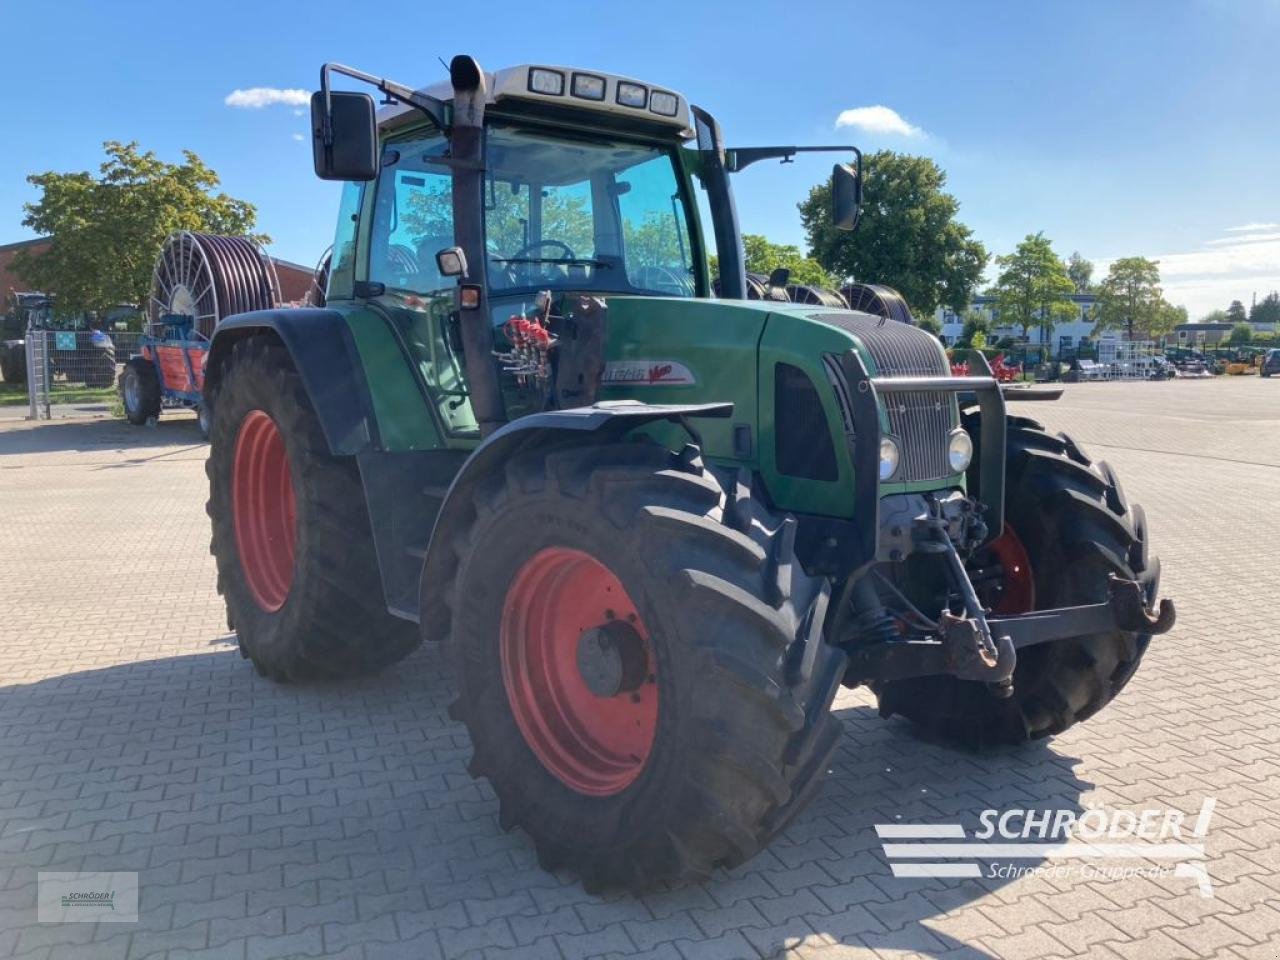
x=920 y=422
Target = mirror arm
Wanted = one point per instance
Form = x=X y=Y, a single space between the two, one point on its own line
x=739 y=158
x=433 y=108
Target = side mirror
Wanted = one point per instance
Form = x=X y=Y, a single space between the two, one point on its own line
x=451 y=262
x=846 y=196
x=344 y=143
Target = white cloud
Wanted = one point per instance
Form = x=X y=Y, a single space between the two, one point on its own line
x=1245 y=238
x=1225 y=269
x=1253 y=227
x=878 y=119
x=298 y=137
x=255 y=98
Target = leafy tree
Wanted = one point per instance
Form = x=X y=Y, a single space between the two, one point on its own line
x=909 y=237
x=1080 y=271
x=1167 y=318
x=1266 y=310
x=1215 y=316
x=763 y=256
x=1033 y=288
x=1130 y=297
x=930 y=324
x=1240 y=333
x=1235 y=312
x=975 y=326
x=107 y=230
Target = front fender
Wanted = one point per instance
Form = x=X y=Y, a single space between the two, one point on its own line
x=320 y=343
x=607 y=421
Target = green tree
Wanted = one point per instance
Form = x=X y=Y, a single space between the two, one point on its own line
x=1215 y=316
x=909 y=237
x=1167 y=318
x=1266 y=310
x=1080 y=271
x=1130 y=297
x=763 y=256
x=975 y=327
x=107 y=230
x=1240 y=333
x=930 y=324
x=1033 y=288
x=1235 y=312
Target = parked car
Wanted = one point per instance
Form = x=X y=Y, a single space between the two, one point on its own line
x=1270 y=363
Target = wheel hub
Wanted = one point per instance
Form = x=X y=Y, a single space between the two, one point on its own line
x=579 y=671
x=612 y=659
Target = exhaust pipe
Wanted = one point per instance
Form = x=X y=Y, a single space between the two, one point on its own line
x=467 y=148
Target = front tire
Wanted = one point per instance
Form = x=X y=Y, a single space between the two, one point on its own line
x=706 y=728
x=1070 y=523
x=295 y=555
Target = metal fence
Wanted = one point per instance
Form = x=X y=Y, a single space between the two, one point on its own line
x=74 y=367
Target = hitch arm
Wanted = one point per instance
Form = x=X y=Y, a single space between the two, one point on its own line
x=1126 y=610
x=961 y=652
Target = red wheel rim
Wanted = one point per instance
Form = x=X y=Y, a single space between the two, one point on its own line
x=1018 y=586
x=593 y=744
x=264 y=511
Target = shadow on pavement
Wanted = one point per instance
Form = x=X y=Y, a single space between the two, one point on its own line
x=49 y=436
x=320 y=801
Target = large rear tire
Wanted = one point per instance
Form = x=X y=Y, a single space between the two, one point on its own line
x=295 y=554
x=1068 y=517
x=722 y=731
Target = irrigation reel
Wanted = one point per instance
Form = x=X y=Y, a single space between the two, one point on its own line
x=199 y=279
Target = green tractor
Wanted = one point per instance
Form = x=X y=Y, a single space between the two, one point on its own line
x=655 y=529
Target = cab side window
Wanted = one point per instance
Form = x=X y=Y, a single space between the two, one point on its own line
x=412 y=217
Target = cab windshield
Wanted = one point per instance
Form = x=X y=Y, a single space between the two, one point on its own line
x=584 y=214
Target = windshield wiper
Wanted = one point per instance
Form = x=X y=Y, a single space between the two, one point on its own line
x=573 y=261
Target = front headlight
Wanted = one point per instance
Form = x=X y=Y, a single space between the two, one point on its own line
x=889 y=457
x=959 y=451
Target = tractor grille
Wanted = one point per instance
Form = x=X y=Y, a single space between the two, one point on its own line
x=921 y=422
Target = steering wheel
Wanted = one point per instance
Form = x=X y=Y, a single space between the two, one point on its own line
x=528 y=248
x=653 y=277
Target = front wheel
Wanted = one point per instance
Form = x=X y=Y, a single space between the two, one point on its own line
x=1068 y=528
x=632 y=664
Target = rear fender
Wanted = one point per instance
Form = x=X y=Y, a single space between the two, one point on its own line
x=320 y=343
x=602 y=422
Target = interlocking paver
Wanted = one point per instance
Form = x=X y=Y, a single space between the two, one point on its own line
x=274 y=821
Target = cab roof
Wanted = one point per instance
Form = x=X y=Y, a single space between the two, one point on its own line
x=570 y=88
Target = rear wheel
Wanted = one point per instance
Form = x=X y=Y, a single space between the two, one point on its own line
x=638 y=666
x=1068 y=528
x=140 y=391
x=295 y=554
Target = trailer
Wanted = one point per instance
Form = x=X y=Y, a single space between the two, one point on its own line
x=199 y=278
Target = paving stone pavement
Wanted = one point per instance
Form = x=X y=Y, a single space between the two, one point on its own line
x=339 y=820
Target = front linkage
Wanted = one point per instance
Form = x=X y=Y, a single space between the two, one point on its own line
x=972 y=646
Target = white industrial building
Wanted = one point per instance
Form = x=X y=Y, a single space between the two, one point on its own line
x=1065 y=335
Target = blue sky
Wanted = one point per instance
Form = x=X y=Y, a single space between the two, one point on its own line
x=1117 y=128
